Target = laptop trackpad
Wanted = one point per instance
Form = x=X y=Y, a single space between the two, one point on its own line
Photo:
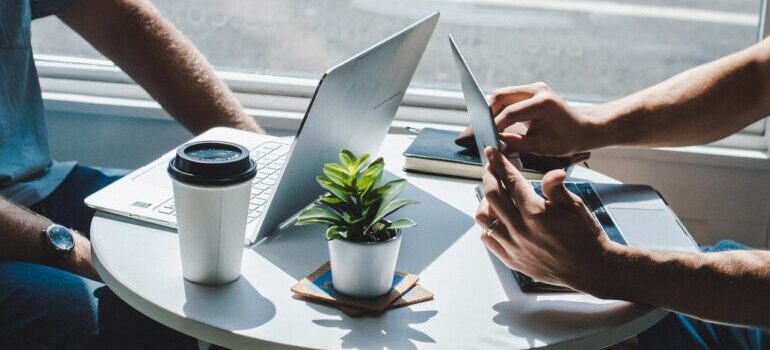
x=652 y=229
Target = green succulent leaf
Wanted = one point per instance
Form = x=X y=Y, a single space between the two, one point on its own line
x=402 y=223
x=391 y=190
x=337 y=168
x=348 y=159
x=335 y=189
x=329 y=199
x=388 y=209
x=308 y=222
x=335 y=203
x=371 y=176
x=332 y=232
x=319 y=215
x=362 y=160
x=351 y=220
x=387 y=192
x=337 y=174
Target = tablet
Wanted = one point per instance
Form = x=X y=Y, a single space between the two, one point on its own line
x=479 y=111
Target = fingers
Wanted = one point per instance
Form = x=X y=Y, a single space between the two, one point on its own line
x=517 y=186
x=495 y=247
x=499 y=201
x=517 y=100
x=485 y=215
x=509 y=95
x=493 y=224
x=466 y=139
x=491 y=236
x=523 y=111
x=556 y=192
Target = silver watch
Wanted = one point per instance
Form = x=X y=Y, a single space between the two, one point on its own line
x=60 y=239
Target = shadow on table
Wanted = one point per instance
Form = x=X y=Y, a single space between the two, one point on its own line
x=376 y=333
x=298 y=251
x=234 y=306
x=546 y=316
x=552 y=318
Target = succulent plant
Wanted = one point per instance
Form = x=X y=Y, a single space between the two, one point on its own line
x=355 y=207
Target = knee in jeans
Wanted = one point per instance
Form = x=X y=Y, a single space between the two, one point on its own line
x=44 y=307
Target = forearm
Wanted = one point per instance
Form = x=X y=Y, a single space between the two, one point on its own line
x=157 y=56
x=21 y=239
x=20 y=233
x=701 y=105
x=729 y=287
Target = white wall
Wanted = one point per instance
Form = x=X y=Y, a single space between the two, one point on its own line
x=731 y=200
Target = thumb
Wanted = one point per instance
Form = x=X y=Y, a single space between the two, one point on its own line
x=556 y=192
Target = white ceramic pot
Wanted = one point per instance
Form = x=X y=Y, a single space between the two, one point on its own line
x=361 y=269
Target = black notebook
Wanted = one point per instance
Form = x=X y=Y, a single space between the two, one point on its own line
x=434 y=152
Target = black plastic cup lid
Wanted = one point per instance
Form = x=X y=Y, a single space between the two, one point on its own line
x=212 y=163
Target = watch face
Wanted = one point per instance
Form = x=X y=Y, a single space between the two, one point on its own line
x=60 y=237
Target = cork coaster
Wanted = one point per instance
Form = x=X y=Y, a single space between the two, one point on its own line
x=416 y=295
x=318 y=286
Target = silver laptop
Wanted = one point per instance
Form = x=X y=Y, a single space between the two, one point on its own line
x=352 y=108
x=633 y=215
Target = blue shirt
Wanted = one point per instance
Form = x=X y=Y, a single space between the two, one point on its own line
x=27 y=173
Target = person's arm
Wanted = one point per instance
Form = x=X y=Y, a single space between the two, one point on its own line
x=557 y=240
x=727 y=287
x=22 y=240
x=134 y=35
x=701 y=105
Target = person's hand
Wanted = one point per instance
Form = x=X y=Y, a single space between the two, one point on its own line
x=553 y=128
x=555 y=240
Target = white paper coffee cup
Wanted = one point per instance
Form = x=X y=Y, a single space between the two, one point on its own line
x=212 y=184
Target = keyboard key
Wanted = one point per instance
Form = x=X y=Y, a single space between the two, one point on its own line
x=165 y=210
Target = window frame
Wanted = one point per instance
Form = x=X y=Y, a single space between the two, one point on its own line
x=278 y=102
x=762 y=33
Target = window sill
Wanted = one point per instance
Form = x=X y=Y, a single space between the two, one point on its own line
x=695 y=155
x=288 y=121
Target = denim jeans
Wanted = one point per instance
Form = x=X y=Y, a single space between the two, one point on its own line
x=677 y=331
x=46 y=308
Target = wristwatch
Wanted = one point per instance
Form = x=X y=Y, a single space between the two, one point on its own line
x=59 y=239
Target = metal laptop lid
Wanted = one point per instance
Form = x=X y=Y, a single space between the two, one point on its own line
x=352 y=108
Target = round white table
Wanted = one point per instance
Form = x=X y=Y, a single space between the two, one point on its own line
x=477 y=302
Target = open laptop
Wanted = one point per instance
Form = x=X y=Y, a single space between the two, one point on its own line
x=633 y=215
x=352 y=108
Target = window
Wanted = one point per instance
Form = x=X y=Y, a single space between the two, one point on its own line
x=586 y=50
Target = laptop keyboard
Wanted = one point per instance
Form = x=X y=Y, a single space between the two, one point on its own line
x=270 y=158
x=591 y=199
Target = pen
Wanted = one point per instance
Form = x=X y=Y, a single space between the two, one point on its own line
x=413 y=130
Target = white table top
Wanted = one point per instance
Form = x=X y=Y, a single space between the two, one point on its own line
x=477 y=302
